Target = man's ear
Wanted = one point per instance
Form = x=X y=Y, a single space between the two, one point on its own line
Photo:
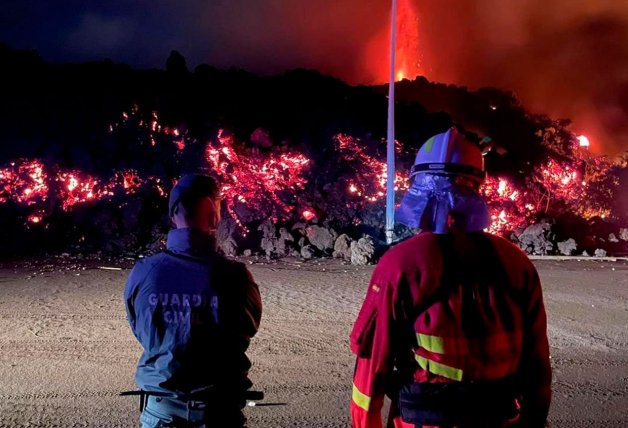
x=216 y=214
x=173 y=214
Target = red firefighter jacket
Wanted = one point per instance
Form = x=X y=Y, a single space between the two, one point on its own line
x=471 y=333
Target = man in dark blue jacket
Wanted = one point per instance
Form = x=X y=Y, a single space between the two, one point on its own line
x=194 y=313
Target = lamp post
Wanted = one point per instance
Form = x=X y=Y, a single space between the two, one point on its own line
x=390 y=147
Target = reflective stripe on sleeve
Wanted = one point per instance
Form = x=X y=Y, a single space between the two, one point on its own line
x=362 y=400
x=430 y=343
x=439 y=369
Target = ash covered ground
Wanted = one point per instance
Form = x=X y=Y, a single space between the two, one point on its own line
x=66 y=350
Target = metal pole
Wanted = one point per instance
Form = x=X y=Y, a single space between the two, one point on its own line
x=390 y=148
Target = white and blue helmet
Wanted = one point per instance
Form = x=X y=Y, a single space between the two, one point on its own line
x=445 y=178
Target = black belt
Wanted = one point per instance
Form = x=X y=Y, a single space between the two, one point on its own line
x=205 y=395
x=460 y=403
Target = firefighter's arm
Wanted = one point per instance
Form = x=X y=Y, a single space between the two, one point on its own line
x=367 y=395
x=370 y=341
x=535 y=371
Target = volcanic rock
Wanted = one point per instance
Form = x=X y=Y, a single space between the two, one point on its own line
x=308 y=252
x=227 y=228
x=342 y=247
x=600 y=252
x=226 y=236
x=537 y=239
x=321 y=237
x=269 y=241
x=284 y=243
x=568 y=247
x=268 y=245
x=229 y=247
x=285 y=235
x=362 y=251
x=268 y=229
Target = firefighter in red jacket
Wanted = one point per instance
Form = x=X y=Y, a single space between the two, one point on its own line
x=453 y=327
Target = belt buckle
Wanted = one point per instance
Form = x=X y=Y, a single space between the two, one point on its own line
x=197 y=405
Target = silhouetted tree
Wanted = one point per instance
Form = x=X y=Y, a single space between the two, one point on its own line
x=176 y=63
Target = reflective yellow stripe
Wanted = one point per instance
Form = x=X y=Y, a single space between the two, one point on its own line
x=439 y=369
x=431 y=343
x=362 y=400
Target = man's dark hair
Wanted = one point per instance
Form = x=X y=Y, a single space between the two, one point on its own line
x=189 y=190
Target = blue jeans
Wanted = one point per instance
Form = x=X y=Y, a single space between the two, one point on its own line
x=170 y=412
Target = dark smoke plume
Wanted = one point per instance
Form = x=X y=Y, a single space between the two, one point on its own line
x=566 y=58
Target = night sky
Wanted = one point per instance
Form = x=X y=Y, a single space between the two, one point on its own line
x=567 y=58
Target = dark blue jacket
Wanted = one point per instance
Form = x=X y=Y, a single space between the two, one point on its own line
x=194 y=313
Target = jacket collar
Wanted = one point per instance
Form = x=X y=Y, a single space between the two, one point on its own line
x=191 y=242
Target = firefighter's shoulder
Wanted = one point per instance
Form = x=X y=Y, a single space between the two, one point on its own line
x=411 y=249
x=511 y=253
x=407 y=258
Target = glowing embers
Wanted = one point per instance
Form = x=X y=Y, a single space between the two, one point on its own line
x=130 y=180
x=308 y=214
x=155 y=130
x=267 y=181
x=507 y=208
x=370 y=175
x=272 y=180
x=23 y=182
x=29 y=183
x=76 y=188
x=561 y=180
x=35 y=218
x=79 y=188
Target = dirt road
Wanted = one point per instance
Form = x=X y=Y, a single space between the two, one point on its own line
x=66 y=350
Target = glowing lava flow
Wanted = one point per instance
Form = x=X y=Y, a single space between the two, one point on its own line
x=263 y=182
x=369 y=181
x=28 y=182
x=23 y=182
x=507 y=208
x=272 y=182
x=77 y=189
x=556 y=187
